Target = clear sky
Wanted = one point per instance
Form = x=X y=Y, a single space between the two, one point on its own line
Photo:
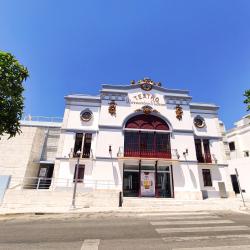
x=75 y=46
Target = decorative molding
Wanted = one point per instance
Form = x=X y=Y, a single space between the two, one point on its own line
x=110 y=127
x=113 y=89
x=112 y=108
x=147 y=110
x=82 y=98
x=106 y=158
x=146 y=83
x=177 y=100
x=86 y=115
x=178 y=112
x=77 y=130
x=115 y=96
x=187 y=131
x=215 y=114
x=199 y=121
x=203 y=106
x=211 y=137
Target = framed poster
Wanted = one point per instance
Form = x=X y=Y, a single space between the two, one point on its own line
x=147 y=184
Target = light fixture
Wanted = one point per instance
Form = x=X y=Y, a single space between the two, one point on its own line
x=185 y=152
x=110 y=149
x=78 y=153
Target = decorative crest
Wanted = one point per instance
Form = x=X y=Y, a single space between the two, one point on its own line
x=146 y=84
x=112 y=108
x=146 y=110
x=179 y=112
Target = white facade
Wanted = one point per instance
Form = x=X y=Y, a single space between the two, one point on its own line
x=107 y=161
x=239 y=146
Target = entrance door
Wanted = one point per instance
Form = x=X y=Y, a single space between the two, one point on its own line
x=131 y=183
x=235 y=184
x=164 y=185
x=45 y=176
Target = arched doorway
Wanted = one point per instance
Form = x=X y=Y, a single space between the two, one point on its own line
x=147 y=136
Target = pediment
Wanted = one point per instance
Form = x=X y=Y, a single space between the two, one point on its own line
x=143 y=91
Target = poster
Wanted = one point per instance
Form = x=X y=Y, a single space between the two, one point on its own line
x=147 y=184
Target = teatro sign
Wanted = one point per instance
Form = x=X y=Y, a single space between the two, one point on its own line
x=144 y=98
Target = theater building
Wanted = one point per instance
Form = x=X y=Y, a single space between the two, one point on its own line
x=144 y=140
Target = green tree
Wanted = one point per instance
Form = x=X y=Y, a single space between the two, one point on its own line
x=12 y=75
x=247 y=100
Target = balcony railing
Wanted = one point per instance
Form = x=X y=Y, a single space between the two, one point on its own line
x=204 y=158
x=166 y=154
x=88 y=154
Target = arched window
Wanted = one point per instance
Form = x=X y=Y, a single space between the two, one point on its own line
x=147 y=122
x=145 y=137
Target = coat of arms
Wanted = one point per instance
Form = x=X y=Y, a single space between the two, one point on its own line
x=112 y=108
x=146 y=84
x=179 y=112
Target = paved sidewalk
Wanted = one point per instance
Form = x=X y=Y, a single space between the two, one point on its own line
x=230 y=204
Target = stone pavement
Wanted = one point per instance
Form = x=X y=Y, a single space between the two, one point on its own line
x=138 y=205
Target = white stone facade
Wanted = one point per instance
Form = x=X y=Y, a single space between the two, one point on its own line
x=186 y=158
x=104 y=169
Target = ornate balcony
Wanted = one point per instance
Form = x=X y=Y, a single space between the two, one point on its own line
x=205 y=158
x=171 y=154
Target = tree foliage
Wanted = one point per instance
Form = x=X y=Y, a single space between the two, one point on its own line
x=12 y=75
x=247 y=100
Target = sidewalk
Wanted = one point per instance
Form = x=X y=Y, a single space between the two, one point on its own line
x=171 y=205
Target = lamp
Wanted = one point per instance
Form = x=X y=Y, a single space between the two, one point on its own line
x=185 y=152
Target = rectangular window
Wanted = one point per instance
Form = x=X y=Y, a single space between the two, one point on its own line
x=78 y=143
x=208 y=158
x=207 y=180
x=232 y=146
x=87 y=145
x=132 y=144
x=203 y=151
x=84 y=147
x=198 y=149
x=80 y=173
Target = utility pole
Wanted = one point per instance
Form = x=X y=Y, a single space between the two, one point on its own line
x=237 y=177
x=73 y=205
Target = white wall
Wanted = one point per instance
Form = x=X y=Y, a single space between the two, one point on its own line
x=243 y=168
x=107 y=130
x=240 y=135
x=72 y=117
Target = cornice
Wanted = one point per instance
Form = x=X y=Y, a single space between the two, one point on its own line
x=110 y=127
x=203 y=106
x=82 y=98
x=76 y=130
x=124 y=88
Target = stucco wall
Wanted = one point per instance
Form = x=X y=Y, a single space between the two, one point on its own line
x=243 y=168
x=108 y=130
x=15 y=153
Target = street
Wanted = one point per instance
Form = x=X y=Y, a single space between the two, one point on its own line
x=105 y=231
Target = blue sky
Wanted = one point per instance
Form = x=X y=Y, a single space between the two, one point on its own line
x=75 y=46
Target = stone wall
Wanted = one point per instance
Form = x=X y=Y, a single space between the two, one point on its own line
x=15 y=153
